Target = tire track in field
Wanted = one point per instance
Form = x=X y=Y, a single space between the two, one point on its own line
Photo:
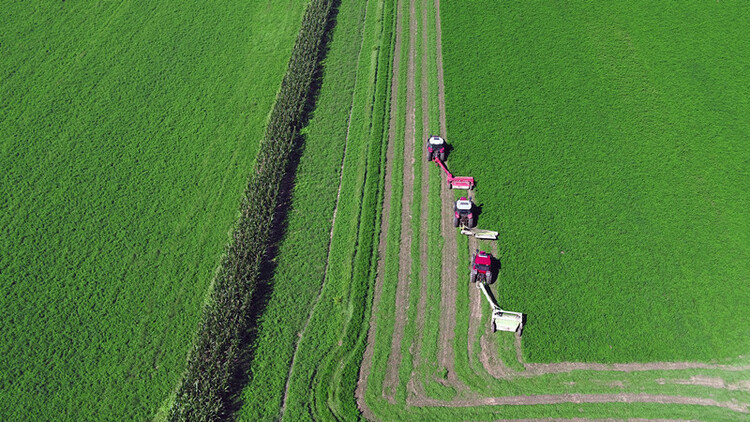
x=422 y=304
x=583 y=398
x=404 y=273
x=330 y=235
x=366 y=367
x=449 y=284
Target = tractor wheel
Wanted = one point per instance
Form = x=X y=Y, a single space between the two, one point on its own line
x=488 y=277
x=442 y=156
x=494 y=327
x=455 y=221
x=473 y=277
x=471 y=222
x=429 y=155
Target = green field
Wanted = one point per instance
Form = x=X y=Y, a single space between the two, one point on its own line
x=127 y=132
x=609 y=142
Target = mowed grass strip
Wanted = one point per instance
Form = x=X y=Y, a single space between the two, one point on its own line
x=127 y=131
x=608 y=142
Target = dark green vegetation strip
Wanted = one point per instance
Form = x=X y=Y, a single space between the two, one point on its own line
x=301 y=262
x=127 y=131
x=205 y=391
x=609 y=144
x=323 y=380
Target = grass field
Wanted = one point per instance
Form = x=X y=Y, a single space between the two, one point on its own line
x=609 y=142
x=127 y=132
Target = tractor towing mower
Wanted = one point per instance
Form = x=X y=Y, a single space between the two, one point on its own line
x=481 y=273
x=462 y=213
x=463 y=216
x=436 y=149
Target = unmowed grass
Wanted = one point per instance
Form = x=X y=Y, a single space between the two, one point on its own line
x=127 y=131
x=608 y=142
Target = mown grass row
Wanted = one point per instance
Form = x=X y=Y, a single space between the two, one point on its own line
x=479 y=381
x=384 y=331
x=214 y=362
x=127 y=132
x=408 y=342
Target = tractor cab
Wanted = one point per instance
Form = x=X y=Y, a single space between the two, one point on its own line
x=462 y=213
x=481 y=267
x=435 y=148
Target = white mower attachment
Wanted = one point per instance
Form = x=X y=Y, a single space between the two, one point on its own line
x=479 y=233
x=502 y=320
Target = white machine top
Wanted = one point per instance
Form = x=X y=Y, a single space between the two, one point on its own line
x=436 y=140
x=463 y=205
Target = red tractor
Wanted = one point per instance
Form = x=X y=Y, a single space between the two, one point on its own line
x=463 y=215
x=481 y=267
x=435 y=148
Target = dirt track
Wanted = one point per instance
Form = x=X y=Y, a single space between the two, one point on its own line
x=404 y=273
x=488 y=356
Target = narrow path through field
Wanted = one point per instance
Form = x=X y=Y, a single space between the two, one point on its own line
x=583 y=398
x=449 y=283
x=423 y=247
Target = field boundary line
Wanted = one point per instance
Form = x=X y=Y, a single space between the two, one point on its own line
x=330 y=237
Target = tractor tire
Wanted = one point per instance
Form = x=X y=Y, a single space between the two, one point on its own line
x=442 y=156
x=473 y=277
x=429 y=155
x=455 y=221
x=471 y=223
x=488 y=277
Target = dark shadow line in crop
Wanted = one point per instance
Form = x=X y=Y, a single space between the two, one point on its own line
x=264 y=287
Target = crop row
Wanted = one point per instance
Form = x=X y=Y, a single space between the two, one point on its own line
x=304 y=249
x=215 y=360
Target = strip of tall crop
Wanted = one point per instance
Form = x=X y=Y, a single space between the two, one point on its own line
x=215 y=360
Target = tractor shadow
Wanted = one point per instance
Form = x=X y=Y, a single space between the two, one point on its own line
x=265 y=284
x=477 y=211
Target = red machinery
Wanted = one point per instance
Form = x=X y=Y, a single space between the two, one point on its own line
x=436 y=149
x=481 y=267
x=455 y=182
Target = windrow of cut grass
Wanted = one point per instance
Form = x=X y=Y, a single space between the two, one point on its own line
x=127 y=131
x=215 y=363
x=608 y=141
